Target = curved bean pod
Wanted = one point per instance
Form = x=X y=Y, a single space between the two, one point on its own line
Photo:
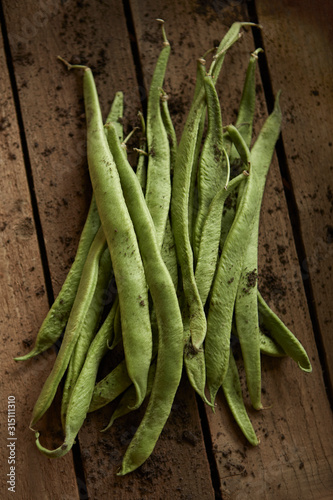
x=210 y=237
x=158 y=187
x=57 y=317
x=194 y=362
x=269 y=347
x=76 y=319
x=110 y=387
x=212 y=173
x=183 y=175
x=170 y=326
x=88 y=331
x=127 y=401
x=283 y=336
x=229 y=269
x=233 y=393
x=122 y=243
x=80 y=399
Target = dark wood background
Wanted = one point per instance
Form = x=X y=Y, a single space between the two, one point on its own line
x=45 y=194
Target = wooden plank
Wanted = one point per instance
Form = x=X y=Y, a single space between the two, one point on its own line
x=52 y=106
x=299 y=50
x=59 y=169
x=23 y=304
x=294 y=459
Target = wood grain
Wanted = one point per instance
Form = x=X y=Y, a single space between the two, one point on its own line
x=52 y=105
x=23 y=304
x=299 y=50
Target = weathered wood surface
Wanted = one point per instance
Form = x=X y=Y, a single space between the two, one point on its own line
x=299 y=50
x=23 y=305
x=295 y=457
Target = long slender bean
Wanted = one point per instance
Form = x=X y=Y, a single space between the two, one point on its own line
x=86 y=335
x=141 y=169
x=244 y=123
x=212 y=171
x=283 y=336
x=79 y=402
x=76 y=319
x=57 y=317
x=127 y=401
x=170 y=326
x=110 y=387
x=181 y=190
x=210 y=237
x=233 y=393
x=170 y=130
x=104 y=274
x=158 y=188
x=116 y=114
x=122 y=243
x=230 y=265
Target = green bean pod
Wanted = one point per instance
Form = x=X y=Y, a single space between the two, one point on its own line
x=122 y=243
x=141 y=168
x=233 y=393
x=247 y=103
x=116 y=328
x=193 y=193
x=170 y=130
x=79 y=402
x=110 y=387
x=239 y=143
x=194 y=361
x=283 y=336
x=76 y=320
x=158 y=187
x=88 y=331
x=246 y=314
x=244 y=123
x=168 y=252
x=230 y=266
x=57 y=317
x=170 y=326
x=269 y=347
x=210 y=237
x=127 y=401
x=212 y=173
x=116 y=114
x=183 y=174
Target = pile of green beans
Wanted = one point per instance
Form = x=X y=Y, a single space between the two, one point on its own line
x=184 y=261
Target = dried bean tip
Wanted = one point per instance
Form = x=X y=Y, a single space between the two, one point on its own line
x=256 y=52
x=72 y=66
x=165 y=40
x=140 y=151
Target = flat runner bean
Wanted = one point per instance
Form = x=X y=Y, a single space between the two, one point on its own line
x=158 y=187
x=76 y=319
x=229 y=269
x=170 y=326
x=57 y=317
x=122 y=243
x=181 y=193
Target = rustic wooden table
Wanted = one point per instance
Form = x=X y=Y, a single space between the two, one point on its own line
x=44 y=199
